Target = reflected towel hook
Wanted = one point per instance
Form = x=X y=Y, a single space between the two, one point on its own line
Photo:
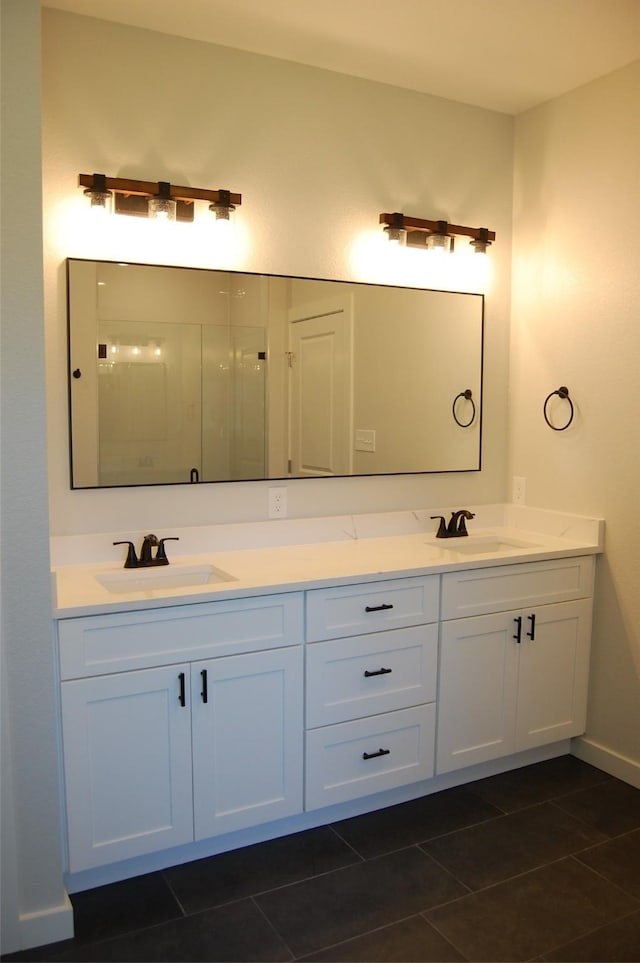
x=561 y=392
x=467 y=395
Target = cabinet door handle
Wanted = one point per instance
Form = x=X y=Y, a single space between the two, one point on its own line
x=378 y=608
x=532 y=634
x=374 y=755
x=205 y=689
x=182 y=699
x=518 y=635
x=368 y=674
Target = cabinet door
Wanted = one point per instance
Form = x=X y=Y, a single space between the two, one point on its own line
x=477 y=695
x=247 y=739
x=553 y=677
x=127 y=764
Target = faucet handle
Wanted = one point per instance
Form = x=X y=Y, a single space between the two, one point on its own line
x=442 y=529
x=132 y=558
x=161 y=555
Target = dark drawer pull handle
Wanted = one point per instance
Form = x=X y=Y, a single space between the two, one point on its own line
x=518 y=635
x=182 y=697
x=378 y=608
x=373 y=755
x=205 y=689
x=532 y=634
x=368 y=674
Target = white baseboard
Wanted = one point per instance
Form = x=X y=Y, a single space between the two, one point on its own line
x=622 y=767
x=47 y=926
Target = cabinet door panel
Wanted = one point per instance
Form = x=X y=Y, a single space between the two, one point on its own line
x=127 y=761
x=247 y=740
x=552 y=687
x=476 y=701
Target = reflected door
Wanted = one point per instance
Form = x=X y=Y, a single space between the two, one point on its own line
x=321 y=394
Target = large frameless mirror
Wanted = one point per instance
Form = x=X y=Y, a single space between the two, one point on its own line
x=193 y=375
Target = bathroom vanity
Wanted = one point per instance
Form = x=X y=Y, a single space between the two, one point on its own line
x=312 y=680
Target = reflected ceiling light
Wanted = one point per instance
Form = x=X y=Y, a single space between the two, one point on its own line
x=155 y=199
x=436 y=235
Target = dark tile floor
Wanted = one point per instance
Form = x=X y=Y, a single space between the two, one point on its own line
x=542 y=864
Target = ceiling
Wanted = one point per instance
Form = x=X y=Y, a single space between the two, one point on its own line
x=504 y=55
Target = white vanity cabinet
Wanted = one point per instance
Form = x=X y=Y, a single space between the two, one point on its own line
x=514 y=668
x=187 y=722
x=167 y=753
x=371 y=672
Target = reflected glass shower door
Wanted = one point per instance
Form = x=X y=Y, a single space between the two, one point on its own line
x=233 y=402
x=149 y=394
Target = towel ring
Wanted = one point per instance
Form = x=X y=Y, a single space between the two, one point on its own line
x=466 y=394
x=562 y=392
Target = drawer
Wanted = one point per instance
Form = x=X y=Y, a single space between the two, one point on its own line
x=132 y=640
x=359 y=609
x=367 y=674
x=354 y=759
x=503 y=587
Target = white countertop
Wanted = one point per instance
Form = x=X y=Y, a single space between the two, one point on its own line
x=314 y=553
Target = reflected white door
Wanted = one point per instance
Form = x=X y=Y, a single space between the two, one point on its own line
x=321 y=393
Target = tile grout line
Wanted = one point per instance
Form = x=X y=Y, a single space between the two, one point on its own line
x=582 y=936
x=274 y=928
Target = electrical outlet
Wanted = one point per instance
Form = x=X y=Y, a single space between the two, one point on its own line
x=519 y=490
x=278 y=502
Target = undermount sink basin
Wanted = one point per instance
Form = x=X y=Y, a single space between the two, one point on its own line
x=171 y=576
x=485 y=545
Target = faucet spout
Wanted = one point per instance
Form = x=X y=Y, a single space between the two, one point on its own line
x=148 y=542
x=457 y=524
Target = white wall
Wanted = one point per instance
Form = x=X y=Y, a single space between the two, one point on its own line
x=34 y=904
x=575 y=323
x=317 y=157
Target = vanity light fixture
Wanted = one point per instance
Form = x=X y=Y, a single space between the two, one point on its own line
x=436 y=235
x=155 y=199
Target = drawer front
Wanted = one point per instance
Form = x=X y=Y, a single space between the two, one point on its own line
x=503 y=587
x=354 y=759
x=368 y=674
x=358 y=609
x=131 y=640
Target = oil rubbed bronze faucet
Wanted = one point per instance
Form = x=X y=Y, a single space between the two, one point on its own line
x=147 y=558
x=457 y=524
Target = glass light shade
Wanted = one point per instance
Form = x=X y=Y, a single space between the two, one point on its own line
x=438 y=242
x=397 y=235
x=100 y=201
x=162 y=208
x=480 y=246
x=222 y=212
